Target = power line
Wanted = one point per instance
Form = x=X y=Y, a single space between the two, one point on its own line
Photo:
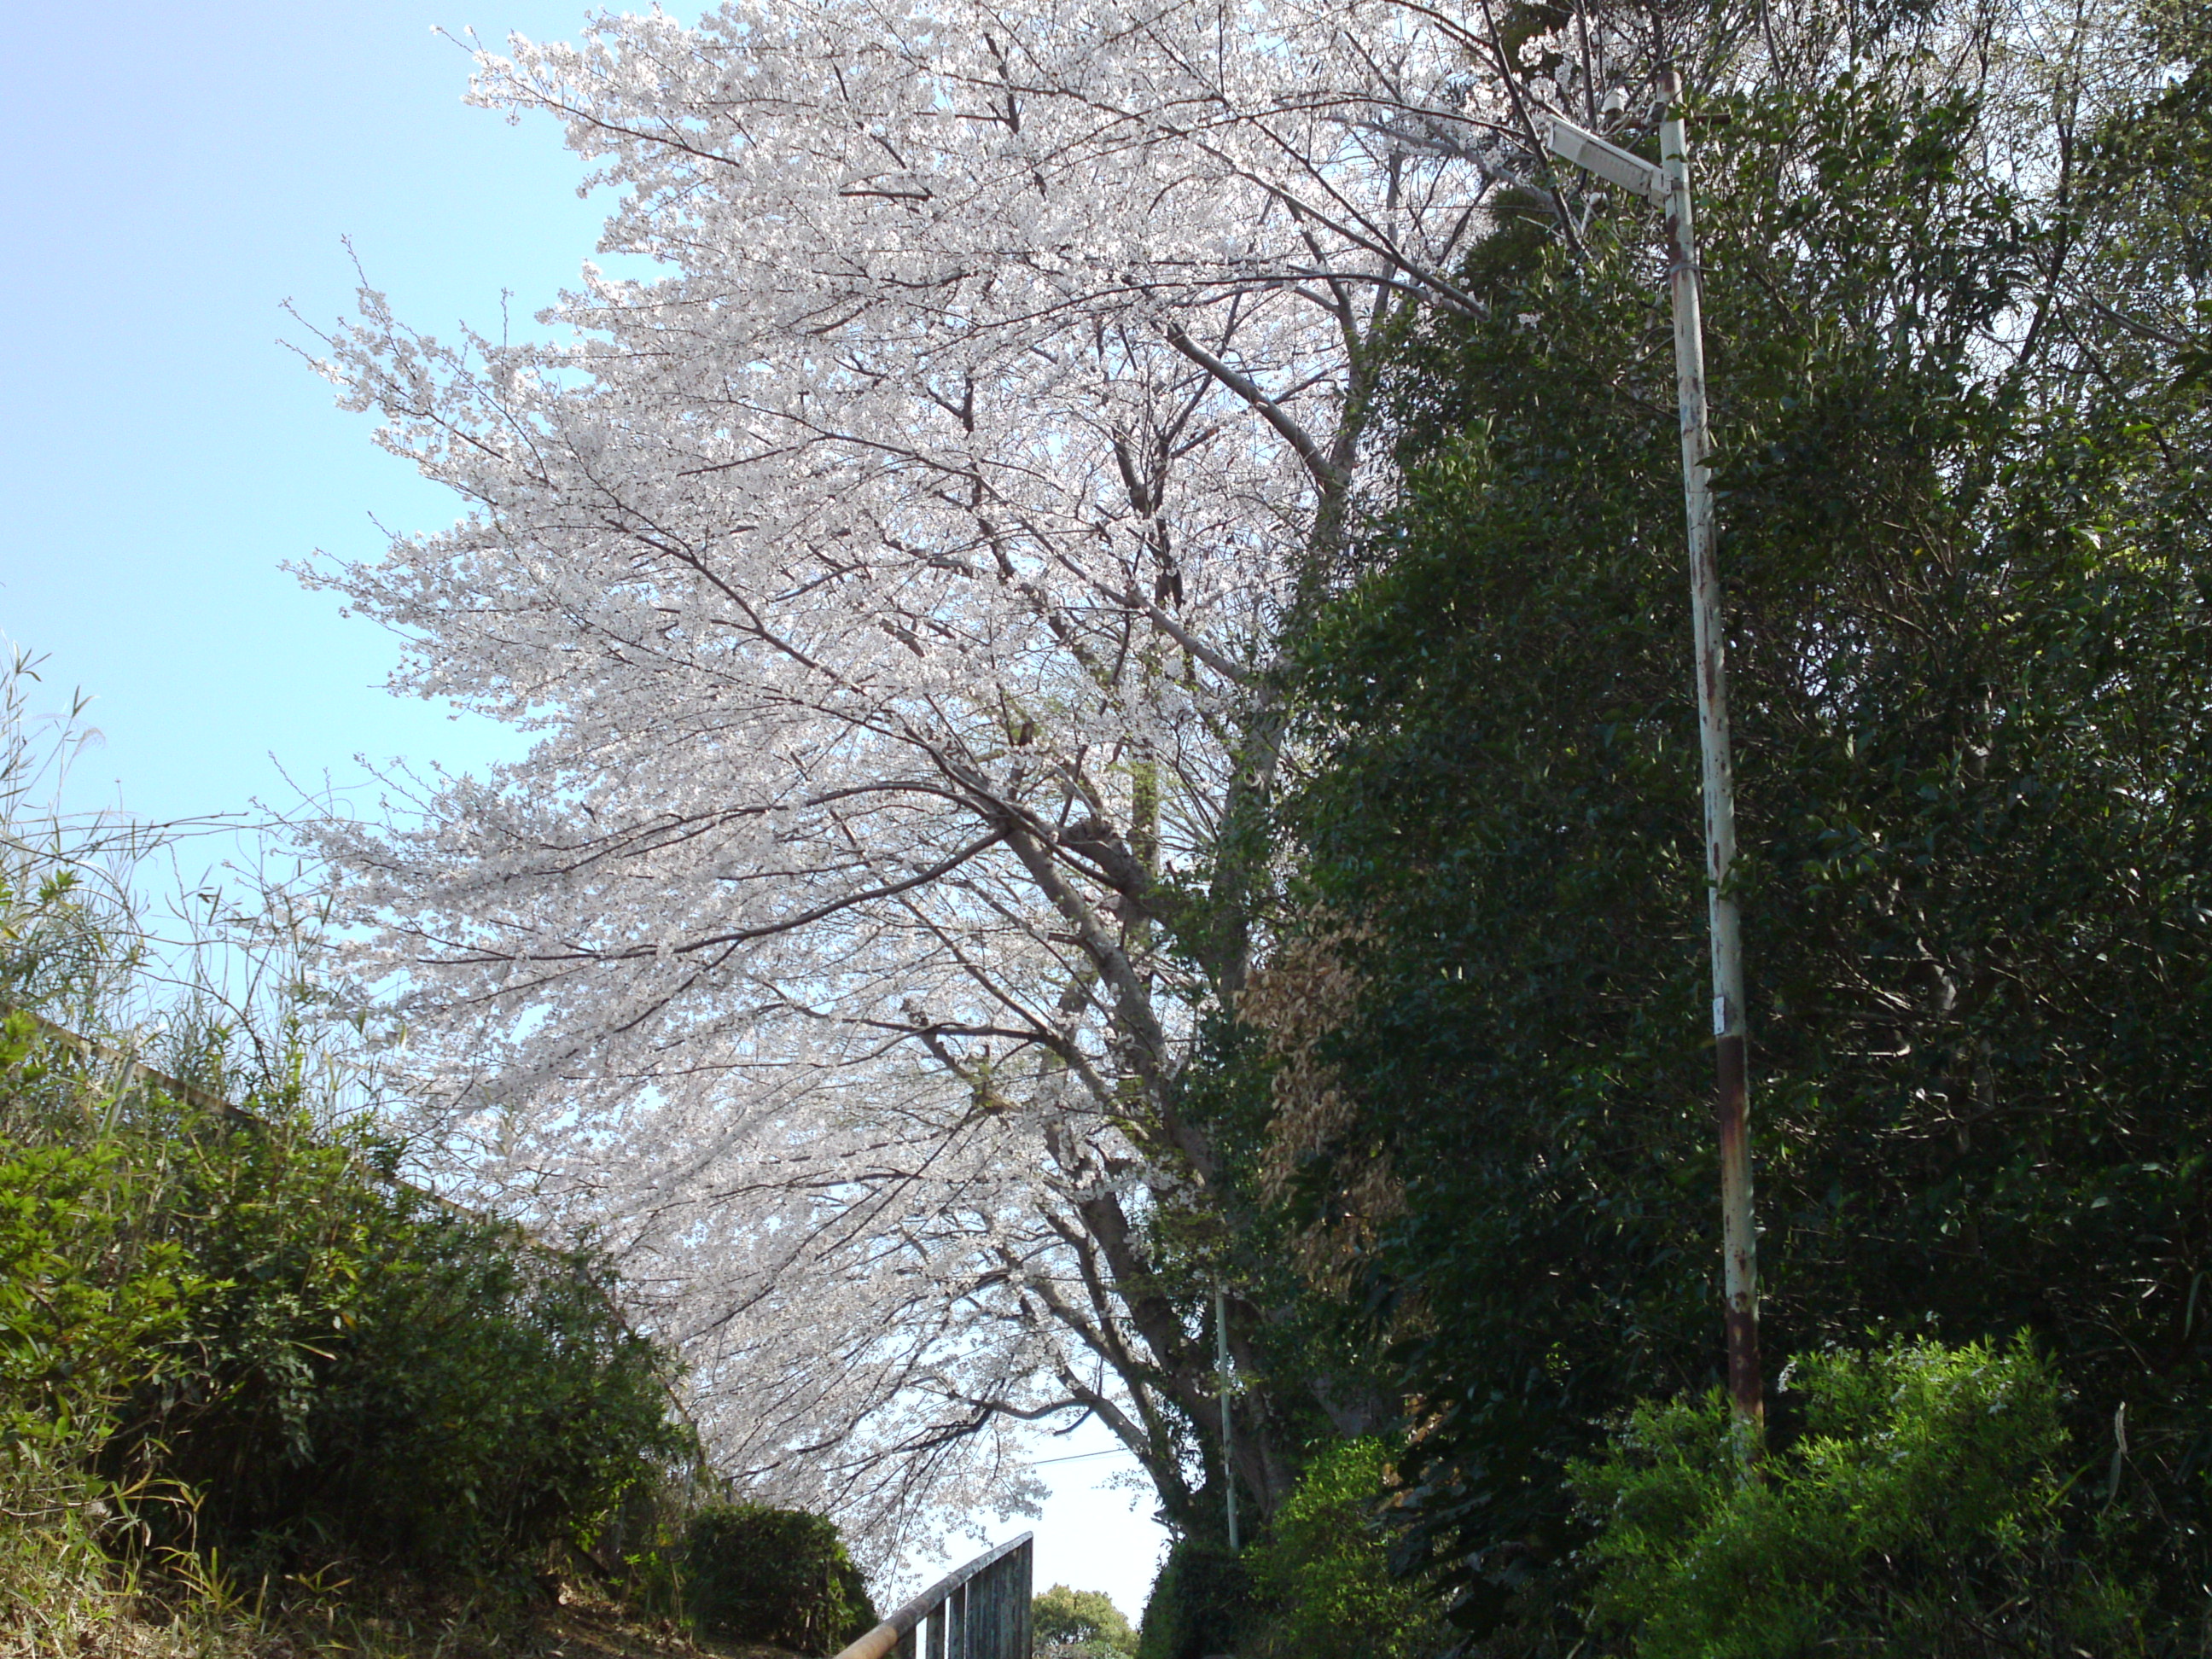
x=1080 y=1457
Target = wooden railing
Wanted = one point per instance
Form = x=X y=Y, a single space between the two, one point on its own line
x=979 y=1612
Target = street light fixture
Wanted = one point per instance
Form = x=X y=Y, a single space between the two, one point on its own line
x=1669 y=185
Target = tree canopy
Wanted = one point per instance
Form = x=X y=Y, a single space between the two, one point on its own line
x=1109 y=677
x=1953 y=317
x=890 y=585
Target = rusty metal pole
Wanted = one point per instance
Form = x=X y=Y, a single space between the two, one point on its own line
x=1221 y=1390
x=1739 y=1243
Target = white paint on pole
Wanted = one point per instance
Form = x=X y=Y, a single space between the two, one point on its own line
x=1668 y=184
x=1739 y=1240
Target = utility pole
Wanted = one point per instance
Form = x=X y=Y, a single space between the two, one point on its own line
x=1221 y=1392
x=1669 y=185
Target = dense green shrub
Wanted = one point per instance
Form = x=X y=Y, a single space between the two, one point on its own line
x=1966 y=626
x=89 y=1313
x=309 y=1361
x=1074 y=1623
x=376 y=1375
x=1921 y=1511
x=1323 y=1570
x=757 y=1574
x=1201 y=1603
x=236 y=1333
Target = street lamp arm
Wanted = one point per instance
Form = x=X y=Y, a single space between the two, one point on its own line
x=1607 y=160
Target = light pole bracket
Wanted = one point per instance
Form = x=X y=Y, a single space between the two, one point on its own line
x=1609 y=162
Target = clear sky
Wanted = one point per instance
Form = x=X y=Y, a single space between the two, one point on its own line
x=176 y=172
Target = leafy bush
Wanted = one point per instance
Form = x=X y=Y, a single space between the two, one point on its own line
x=1074 y=1623
x=328 y=1364
x=1919 y=1512
x=236 y=1336
x=88 y=1309
x=757 y=1574
x=87 y=1312
x=1201 y=1603
x=376 y=1375
x=1324 y=1568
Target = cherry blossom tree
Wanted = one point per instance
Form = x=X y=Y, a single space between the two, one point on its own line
x=888 y=586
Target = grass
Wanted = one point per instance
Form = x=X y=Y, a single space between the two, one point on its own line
x=61 y=1598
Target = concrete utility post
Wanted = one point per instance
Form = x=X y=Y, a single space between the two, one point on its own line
x=1669 y=185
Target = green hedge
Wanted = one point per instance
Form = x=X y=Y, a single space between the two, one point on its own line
x=1201 y=1603
x=1922 y=1511
x=752 y=1573
x=334 y=1368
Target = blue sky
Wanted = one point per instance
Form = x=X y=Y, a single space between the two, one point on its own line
x=176 y=173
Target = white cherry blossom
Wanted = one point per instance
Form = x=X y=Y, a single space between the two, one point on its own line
x=888 y=586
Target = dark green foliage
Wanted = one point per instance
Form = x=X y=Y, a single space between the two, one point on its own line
x=379 y=1374
x=1074 y=1623
x=1967 y=596
x=1201 y=1603
x=1919 y=1512
x=2145 y=220
x=1323 y=1570
x=757 y=1574
x=332 y=1367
